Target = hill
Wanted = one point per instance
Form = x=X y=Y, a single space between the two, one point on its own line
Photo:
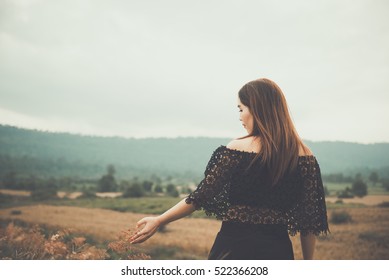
x=64 y=154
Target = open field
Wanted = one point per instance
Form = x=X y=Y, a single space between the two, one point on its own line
x=149 y=205
x=372 y=189
x=366 y=237
x=192 y=237
x=153 y=205
x=369 y=200
x=15 y=192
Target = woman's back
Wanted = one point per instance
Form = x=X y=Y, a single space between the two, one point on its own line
x=242 y=192
x=257 y=215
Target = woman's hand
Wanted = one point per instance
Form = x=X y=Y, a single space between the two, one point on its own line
x=151 y=225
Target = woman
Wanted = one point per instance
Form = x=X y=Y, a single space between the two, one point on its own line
x=264 y=186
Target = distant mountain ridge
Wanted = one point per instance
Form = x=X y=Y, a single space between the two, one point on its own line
x=165 y=155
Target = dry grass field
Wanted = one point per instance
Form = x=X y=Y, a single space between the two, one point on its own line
x=366 y=237
x=15 y=192
x=366 y=200
x=69 y=195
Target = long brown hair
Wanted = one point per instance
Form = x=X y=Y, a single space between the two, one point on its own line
x=273 y=125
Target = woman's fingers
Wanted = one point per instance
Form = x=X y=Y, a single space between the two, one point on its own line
x=136 y=239
x=139 y=239
x=146 y=232
x=142 y=236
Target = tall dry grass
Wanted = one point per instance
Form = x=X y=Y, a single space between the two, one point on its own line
x=366 y=236
x=21 y=243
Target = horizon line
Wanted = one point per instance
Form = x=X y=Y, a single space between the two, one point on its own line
x=161 y=137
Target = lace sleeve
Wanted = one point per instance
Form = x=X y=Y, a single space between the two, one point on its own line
x=212 y=194
x=310 y=214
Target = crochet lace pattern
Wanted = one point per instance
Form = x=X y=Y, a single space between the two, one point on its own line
x=232 y=192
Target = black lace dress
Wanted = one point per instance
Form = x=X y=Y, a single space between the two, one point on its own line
x=257 y=218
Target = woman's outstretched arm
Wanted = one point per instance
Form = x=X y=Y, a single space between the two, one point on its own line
x=151 y=224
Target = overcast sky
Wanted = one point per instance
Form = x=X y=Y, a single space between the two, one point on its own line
x=173 y=68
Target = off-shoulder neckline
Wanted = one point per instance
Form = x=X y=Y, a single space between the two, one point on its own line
x=255 y=153
x=238 y=151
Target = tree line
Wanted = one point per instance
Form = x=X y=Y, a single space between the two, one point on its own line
x=358 y=183
x=43 y=187
x=46 y=188
x=137 y=187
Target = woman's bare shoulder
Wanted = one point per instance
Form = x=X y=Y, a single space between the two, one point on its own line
x=248 y=144
x=234 y=144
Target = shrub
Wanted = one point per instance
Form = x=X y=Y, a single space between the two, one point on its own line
x=16 y=212
x=384 y=204
x=88 y=193
x=147 y=185
x=44 y=193
x=158 y=189
x=359 y=188
x=107 y=183
x=341 y=217
x=135 y=190
x=171 y=190
x=346 y=193
x=174 y=193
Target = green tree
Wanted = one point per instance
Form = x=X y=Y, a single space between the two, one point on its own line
x=147 y=185
x=107 y=183
x=158 y=189
x=373 y=177
x=134 y=190
x=172 y=190
x=346 y=193
x=359 y=188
